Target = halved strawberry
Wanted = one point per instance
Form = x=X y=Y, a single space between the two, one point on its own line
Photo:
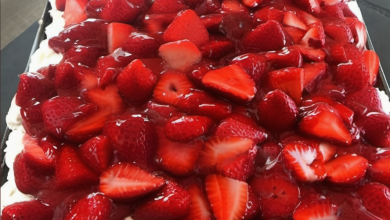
x=289 y=80
x=32 y=210
x=277 y=194
x=312 y=6
x=313 y=72
x=277 y=111
x=125 y=181
x=187 y=25
x=291 y=19
x=164 y=6
x=332 y=10
x=200 y=207
x=95 y=206
x=273 y=36
x=371 y=60
x=160 y=113
x=136 y=83
x=157 y=23
x=187 y=128
x=375 y=128
x=171 y=86
x=217 y=48
x=33 y=87
x=295 y=33
x=327 y=150
x=314 y=37
x=346 y=169
x=230 y=156
x=380 y=171
x=170 y=202
x=232 y=81
x=359 y=32
x=178 y=158
x=353 y=76
x=287 y=57
x=197 y=72
x=232 y=6
x=364 y=101
x=180 y=55
x=96 y=153
x=84 y=55
x=134 y=137
x=310 y=54
x=375 y=198
x=304 y=161
x=252 y=3
x=109 y=103
x=228 y=197
x=27 y=180
x=269 y=13
x=32 y=119
x=317 y=209
x=141 y=44
x=338 y=30
x=71 y=172
x=239 y=125
x=117 y=33
x=36 y=157
x=122 y=10
x=75 y=11
x=255 y=65
x=212 y=22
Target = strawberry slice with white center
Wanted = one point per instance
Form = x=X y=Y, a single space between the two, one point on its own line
x=75 y=11
x=232 y=81
x=228 y=197
x=291 y=19
x=346 y=169
x=380 y=170
x=323 y=121
x=117 y=33
x=316 y=210
x=327 y=150
x=180 y=55
x=200 y=207
x=171 y=86
x=305 y=162
x=371 y=60
x=126 y=181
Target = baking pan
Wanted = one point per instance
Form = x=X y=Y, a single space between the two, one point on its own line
x=46 y=20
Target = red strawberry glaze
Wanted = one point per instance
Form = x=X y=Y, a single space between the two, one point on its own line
x=201 y=109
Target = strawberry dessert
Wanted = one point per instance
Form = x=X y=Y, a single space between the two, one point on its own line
x=203 y=109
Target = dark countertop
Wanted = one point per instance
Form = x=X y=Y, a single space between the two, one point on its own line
x=15 y=55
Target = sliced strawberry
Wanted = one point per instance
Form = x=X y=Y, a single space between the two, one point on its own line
x=187 y=128
x=229 y=156
x=313 y=73
x=346 y=169
x=71 y=172
x=269 y=13
x=180 y=55
x=277 y=194
x=320 y=209
x=252 y=205
x=178 y=158
x=239 y=125
x=96 y=153
x=267 y=155
x=228 y=197
x=126 y=181
x=232 y=6
x=352 y=209
x=200 y=207
x=164 y=6
x=117 y=33
x=33 y=87
x=323 y=121
x=197 y=72
x=170 y=202
x=121 y=10
x=236 y=25
x=187 y=25
x=288 y=57
x=291 y=19
x=371 y=60
x=75 y=11
x=314 y=37
x=363 y=101
x=95 y=206
x=359 y=32
x=289 y=80
x=375 y=129
x=159 y=113
x=277 y=111
x=27 y=180
x=273 y=36
x=338 y=30
x=358 y=72
x=312 y=6
x=310 y=54
x=67 y=78
x=332 y=9
x=254 y=64
x=32 y=210
x=141 y=45
x=136 y=83
x=380 y=171
x=217 y=48
x=212 y=22
x=295 y=33
x=134 y=137
x=32 y=119
x=171 y=86
x=157 y=23
x=252 y=3
x=201 y=103
x=375 y=198
x=36 y=157
x=84 y=55
x=327 y=150
x=232 y=81
x=109 y=103
x=304 y=161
